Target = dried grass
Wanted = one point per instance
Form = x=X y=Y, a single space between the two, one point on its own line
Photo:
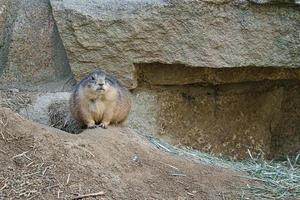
x=14 y=100
x=275 y=179
x=24 y=175
x=4 y=133
x=60 y=118
x=29 y=178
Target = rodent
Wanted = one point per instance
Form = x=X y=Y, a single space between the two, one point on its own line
x=99 y=100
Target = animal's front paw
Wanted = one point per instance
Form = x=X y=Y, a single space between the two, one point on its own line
x=103 y=125
x=92 y=127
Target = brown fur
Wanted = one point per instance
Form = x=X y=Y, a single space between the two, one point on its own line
x=100 y=99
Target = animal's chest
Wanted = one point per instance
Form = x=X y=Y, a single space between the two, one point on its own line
x=97 y=109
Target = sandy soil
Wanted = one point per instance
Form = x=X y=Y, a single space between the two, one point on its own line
x=39 y=162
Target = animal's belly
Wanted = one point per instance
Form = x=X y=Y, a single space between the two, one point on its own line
x=97 y=110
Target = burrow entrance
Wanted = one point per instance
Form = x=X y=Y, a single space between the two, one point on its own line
x=51 y=109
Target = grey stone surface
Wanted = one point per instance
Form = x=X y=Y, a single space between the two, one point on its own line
x=32 y=56
x=276 y=1
x=5 y=31
x=116 y=35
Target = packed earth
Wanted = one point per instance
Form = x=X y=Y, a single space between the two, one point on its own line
x=41 y=162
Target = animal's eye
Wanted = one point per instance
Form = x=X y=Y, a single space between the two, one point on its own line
x=93 y=78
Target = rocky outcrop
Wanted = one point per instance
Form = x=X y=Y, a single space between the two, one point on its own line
x=32 y=56
x=115 y=35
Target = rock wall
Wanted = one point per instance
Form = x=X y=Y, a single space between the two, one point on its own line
x=115 y=35
x=214 y=111
x=32 y=56
x=5 y=31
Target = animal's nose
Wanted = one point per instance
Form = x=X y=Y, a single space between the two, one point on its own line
x=100 y=84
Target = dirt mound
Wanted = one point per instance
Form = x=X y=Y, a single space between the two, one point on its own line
x=37 y=161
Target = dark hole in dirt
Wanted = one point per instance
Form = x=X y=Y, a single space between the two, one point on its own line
x=59 y=117
x=225 y=111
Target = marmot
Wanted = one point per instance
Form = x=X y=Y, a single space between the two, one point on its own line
x=99 y=99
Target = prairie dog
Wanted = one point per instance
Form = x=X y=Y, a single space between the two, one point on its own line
x=99 y=99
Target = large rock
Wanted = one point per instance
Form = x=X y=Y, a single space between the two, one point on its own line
x=115 y=35
x=32 y=55
x=5 y=32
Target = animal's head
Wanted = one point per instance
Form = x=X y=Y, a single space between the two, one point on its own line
x=97 y=82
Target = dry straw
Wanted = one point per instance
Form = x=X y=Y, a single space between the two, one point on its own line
x=274 y=179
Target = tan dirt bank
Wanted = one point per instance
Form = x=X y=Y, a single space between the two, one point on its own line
x=40 y=162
